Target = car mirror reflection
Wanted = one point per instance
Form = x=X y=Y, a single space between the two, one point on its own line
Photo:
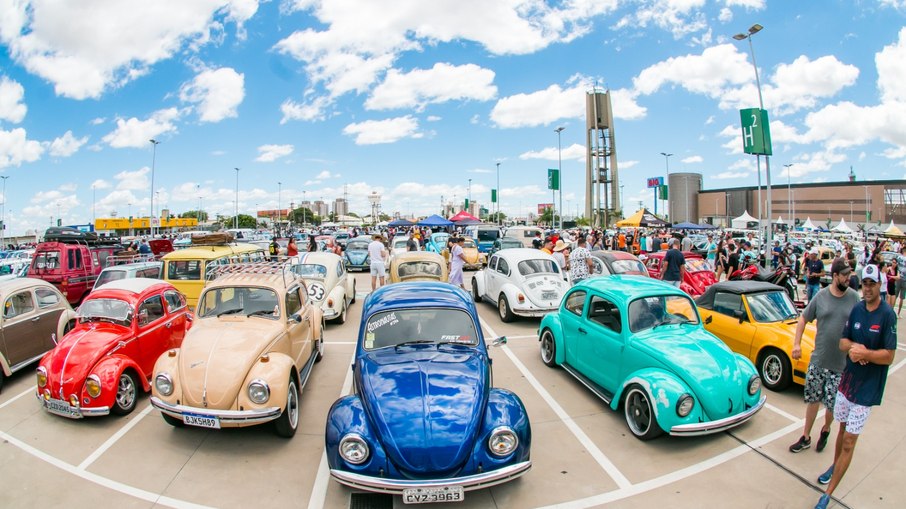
x=499 y=341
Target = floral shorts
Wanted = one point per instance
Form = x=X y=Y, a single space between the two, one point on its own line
x=821 y=386
x=851 y=414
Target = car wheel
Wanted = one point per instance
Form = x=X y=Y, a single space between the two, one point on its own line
x=475 y=296
x=288 y=422
x=503 y=308
x=353 y=293
x=319 y=354
x=172 y=421
x=548 y=348
x=2 y=377
x=640 y=414
x=126 y=393
x=775 y=369
x=68 y=327
x=342 y=317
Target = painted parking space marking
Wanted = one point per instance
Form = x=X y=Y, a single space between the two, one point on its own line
x=580 y=435
x=783 y=413
x=16 y=397
x=113 y=439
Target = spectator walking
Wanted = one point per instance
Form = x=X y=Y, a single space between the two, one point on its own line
x=412 y=242
x=378 y=253
x=673 y=266
x=580 y=262
x=457 y=260
x=814 y=269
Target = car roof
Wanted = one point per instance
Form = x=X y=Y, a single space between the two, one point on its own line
x=416 y=294
x=523 y=253
x=278 y=280
x=706 y=299
x=614 y=255
x=133 y=285
x=628 y=287
x=208 y=252
x=19 y=283
x=133 y=266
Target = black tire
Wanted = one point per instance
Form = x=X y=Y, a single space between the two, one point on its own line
x=639 y=414
x=172 y=421
x=288 y=422
x=2 y=378
x=126 y=394
x=775 y=369
x=68 y=327
x=342 y=318
x=319 y=346
x=352 y=301
x=504 y=310
x=548 y=349
x=475 y=296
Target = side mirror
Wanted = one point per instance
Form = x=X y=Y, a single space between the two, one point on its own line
x=499 y=341
x=143 y=317
x=709 y=319
x=740 y=314
x=295 y=317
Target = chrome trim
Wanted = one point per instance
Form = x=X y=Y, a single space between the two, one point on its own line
x=396 y=486
x=82 y=411
x=225 y=416
x=705 y=428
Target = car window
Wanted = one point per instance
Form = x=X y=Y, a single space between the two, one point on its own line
x=151 y=272
x=310 y=270
x=18 y=304
x=606 y=313
x=624 y=266
x=108 y=276
x=727 y=303
x=74 y=258
x=771 y=307
x=503 y=267
x=293 y=302
x=174 y=300
x=487 y=235
x=151 y=310
x=492 y=263
x=419 y=268
x=47 y=260
x=575 y=302
x=431 y=325
x=538 y=266
x=341 y=268
x=184 y=270
x=46 y=297
x=599 y=266
x=649 y=312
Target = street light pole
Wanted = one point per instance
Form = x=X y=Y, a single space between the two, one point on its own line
x=789 y=196
x=236 y=220
x=470 y=196
x=498 y=195
x=154 y=144
x=657 y=189
x=3 y=215
x=560 y=171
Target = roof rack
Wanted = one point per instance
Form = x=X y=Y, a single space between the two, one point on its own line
x=68 y=235
x=213 y=239
x=121 y=259
x=250 y=268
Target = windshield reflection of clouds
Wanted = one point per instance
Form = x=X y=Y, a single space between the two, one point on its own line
x=111 y=309
x=310 y=270
x=392 y=328
x=649 y=312
x=539 y=266
x=771 y=306
x=624 y=266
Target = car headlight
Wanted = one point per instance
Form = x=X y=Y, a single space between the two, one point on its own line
x=42 y=376
x=503 y=441
x=164 y=384
x=353 y=449
x=754 y=385
x=93 y=386
x=259 y=391
x=685 y=405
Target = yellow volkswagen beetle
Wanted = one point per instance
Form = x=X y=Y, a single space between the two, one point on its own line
x=758 y=320
x=418 y=266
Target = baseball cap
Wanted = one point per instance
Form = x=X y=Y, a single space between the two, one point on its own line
x=840 y=267
x=814 y=251
x=871 y=272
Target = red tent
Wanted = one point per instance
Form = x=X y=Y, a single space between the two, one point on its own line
x=464 y=217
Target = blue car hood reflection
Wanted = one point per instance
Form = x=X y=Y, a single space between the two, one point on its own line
x=426 y=405
x=357 y=257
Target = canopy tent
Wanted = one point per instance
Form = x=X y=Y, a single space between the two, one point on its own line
x=743 y=220
x=464 y=218
x=396 y=223
x=706 y=226
x=435 y=221
x=779 y=220
x=808 y=225
x=641 y=218
x=893 y=231
x=687 y=226
x=842 y=227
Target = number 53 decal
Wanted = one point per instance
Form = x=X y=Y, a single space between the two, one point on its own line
x=316 y=291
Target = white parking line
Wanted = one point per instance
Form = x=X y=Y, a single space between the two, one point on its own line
x=580 y=435
x=319 y=488
x=523 y=337
x=17 y=396
x=783 y=413
x=896 y=368
x=112 y=440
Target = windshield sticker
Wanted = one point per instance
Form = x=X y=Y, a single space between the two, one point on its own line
x=456 y=339
x=386 y=320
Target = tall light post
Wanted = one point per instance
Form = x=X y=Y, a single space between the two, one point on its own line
x=622 y=214
x=3 y=214
x=279 y=212
x=236 y=219
x=470 y=196
x=789 y=196
x=754 y=29
x=154 y=144
x=560 y=172
x=667 y=176
x=498 y=195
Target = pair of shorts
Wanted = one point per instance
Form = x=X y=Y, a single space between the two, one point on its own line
x=821 y=386
x=378 y=269
x=852 y=414
x=901 y=288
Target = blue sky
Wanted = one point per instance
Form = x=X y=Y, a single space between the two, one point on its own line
x=412 y=98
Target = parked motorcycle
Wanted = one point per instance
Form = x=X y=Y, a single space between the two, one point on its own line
x=782 y=277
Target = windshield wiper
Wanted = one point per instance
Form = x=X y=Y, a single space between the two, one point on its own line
x=455 y=343
x=260 y=312
x=229 y=312
x=413 y=342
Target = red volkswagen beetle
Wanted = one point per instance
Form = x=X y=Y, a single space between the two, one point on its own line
x=699 y=274
x=101 y=365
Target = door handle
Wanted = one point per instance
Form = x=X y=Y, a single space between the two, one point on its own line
x=35 y=319
x=582 y=331
x=169 y=324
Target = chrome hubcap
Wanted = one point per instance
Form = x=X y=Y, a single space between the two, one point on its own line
x=125 y=393
x=292 y=406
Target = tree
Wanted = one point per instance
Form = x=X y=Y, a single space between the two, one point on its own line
x=304 y=215
x=492 y=218
x=548 y=217
x=582 y=221
x=245 y=221
x=195 y=214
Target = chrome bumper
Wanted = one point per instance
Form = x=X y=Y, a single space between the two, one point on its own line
x=226 y=417
x=78 y=412
x=329 y=312
x=705 y=428
x=536 y=312
x=396 y=486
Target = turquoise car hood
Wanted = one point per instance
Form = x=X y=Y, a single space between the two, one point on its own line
x=703 y=362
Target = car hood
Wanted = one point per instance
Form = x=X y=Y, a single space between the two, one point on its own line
x=426 y=405
x=544 y=290
x=215 y=356
x=70 y=362
x=703 y=362
x=356 y=256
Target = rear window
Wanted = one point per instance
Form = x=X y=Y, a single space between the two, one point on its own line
x=488 y=235
x=184 y=270
x=539 y=266
x=108 y=276
x=47 y=260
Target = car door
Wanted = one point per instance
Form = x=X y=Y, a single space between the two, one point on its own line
x=296 y=303
x=21 y=328
x=176 y=317
x=153 y=333
x=499 y=277
x=601 y=347
x=572 y=326
x=50 y=307
x=725 y=322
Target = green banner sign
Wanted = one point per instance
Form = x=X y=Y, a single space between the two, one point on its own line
x=663 y=192
x=493 y=196
x=756 y=135
x=553 y=179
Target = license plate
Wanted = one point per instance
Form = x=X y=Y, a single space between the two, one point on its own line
x=202 y=421
x=431 y=495
x=548 y=295
x=56 y=406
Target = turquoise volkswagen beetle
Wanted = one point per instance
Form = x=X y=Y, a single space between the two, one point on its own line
x=639 y=343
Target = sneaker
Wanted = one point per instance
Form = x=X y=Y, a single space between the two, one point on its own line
x=822 y=441
x=826 y=476
x=823 y=501
x=801 y=444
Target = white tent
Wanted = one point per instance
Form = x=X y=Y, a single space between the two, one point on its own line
x=808 y=224
x=743 y=220
x=779 y=220
x=842 y=227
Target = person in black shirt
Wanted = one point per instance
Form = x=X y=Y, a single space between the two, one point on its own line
x=732 y=260
x=537 y=242
x=412 y=244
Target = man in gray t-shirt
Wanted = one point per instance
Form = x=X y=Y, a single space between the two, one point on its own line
x=831 y=307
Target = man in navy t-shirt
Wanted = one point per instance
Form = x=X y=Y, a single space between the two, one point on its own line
x=870 y=340
x=674 y=265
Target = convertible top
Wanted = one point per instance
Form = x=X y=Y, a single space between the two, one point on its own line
x=706 y=300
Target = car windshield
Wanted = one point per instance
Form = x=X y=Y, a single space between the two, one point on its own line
x=420 y=268
x=109 y=310
x=469 y=244
x=771 y=306
x=246 y=301
x=624 y=266
x=423 y=325
x=487 y=235
x=509 y=243
x=650 y=312
x=400 y=243
x=538 y=266
x=310 y=270
x=440 y=240
x=357 y=245
x=697 y=265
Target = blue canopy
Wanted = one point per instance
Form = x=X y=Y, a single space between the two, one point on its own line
x=400 y=222
x=434 y=221
x=687 y=226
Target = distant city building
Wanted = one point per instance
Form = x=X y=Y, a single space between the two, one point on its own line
x=340 y=207
x=320 y=208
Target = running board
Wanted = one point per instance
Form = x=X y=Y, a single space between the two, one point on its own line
x=305 y=372
x=595 y=388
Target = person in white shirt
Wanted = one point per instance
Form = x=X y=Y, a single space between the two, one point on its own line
x=378 y=254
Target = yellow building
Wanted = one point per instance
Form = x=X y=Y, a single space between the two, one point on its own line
x=142 y=225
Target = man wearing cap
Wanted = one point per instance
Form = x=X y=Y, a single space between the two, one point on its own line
x=831 y=307
x=869 y=340
x=673 y=266
x=377 y=252
x=814 y=269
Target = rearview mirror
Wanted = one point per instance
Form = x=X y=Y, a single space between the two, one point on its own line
x=740 y=314
x=295 y=317
x=499 y=341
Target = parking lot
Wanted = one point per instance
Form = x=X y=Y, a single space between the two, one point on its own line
x=583 y=454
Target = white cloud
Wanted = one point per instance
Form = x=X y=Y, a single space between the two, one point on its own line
x=891 y=71
x=314 y=109
x=12 y=93
x=85 y=48
x=137 y=180
x=443 y=82
x=692 y=160
x=372 y=132
x=135 y=133
x=625 y=165
x=680 y=17
x=66 y=145
x=800 y=83
x=100 y=184
x=433 y=118
x=16 y=148
x=270 y=153
x=98 y=121
x=217 y=92
x=730 y=175
x=573 y=152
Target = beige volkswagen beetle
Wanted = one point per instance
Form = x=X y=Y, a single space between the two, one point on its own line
x=252 y=347
x=418 y=266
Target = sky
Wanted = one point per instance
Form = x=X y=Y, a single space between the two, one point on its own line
x=418 y=100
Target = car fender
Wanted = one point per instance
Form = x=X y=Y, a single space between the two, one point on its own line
x=347 y=415
x=664 y=389
x=109 y=370
x=274 y=369
x=479 y=280
x=316 y=321
x=504 y=409
x=552 y=321
x=65 y=317
x=349 y=288
x=512 y=293
x=338 y=295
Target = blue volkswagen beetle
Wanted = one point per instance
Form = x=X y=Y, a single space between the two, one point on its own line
x=639 y=343
x=424 y=421
x=356 y=253
x=437 y=242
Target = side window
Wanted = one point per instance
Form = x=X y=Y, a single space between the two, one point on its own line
x=727 y=303
x=152 y=273
x=575 y=302
x=150 y=310
x=18 y=304
x=175 y=301
x=493 y=263
x=74 y=258
x=293 y=302
x=503 y=267
x=341 y=268
x=604 y=312
x=46 y=297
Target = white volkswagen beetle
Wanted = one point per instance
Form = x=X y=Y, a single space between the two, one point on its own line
x=328 y=283
x=520 y=281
